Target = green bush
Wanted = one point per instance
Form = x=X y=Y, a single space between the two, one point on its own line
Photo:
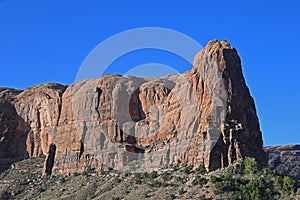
x=238 y=167
x=153 y=175
x=117 y=180
x=181 y=191
x=198 y=180
x=264 y=184
x=278 y=182
x=179 y=179
x=187 y=169
x=201 y=169
x=213 y=179
x=87 y=171
x=250 y=166
x=298 y=191
x=76 y=174
x=288 y=185
x=138 y=178
x=175 y=168
x=155 y=183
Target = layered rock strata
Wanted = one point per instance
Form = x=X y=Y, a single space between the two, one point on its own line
x=205 y=115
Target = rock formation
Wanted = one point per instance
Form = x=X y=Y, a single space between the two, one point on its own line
x=205 y=115
x=285 y=159
x=13 y=130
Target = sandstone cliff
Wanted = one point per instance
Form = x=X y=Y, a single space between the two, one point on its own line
x=205 y=115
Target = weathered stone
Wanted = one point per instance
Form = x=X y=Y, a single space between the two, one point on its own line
x=205 y=115
x=40 y=107
x=285 y=159
x=13 y=130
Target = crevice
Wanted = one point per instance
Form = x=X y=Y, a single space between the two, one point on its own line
x=135 y=107
x=60 y=104
x=50 y=159
x=99 y=92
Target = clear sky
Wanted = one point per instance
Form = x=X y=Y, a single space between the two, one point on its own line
x=46 y=41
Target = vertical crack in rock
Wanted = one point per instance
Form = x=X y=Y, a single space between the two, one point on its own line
x=205 y=115
x=49 y=162
x=99 y=92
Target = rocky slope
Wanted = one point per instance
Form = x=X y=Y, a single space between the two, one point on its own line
x=205 y=115
x=285 y=159
x=24 y=181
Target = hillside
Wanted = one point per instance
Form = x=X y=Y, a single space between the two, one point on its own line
x=285 y=159
x=238 y=181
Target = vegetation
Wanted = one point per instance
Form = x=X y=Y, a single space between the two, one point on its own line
x=254 y=184
x=241 y=180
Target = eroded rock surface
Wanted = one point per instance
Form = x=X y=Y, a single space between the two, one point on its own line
x=285 y=159
x=205 y=115
x=13 y=130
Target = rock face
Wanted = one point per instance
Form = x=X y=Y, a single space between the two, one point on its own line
x=28 y=119
x=205 y=115
x=13 y=130
x=285 y=159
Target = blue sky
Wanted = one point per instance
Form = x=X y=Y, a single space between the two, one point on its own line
x=46 y=41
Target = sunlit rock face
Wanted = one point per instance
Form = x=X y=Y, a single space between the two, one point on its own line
x=205 y=115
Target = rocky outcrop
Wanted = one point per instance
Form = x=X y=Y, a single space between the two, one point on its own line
x=205 y=115
x=40 y=108
x=285 y=159
x=13 y=130
x=28 y=120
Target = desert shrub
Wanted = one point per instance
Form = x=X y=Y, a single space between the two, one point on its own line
x=179 y=179
x=126 y=174
x=213 y=179
x=233 y=196
x=230 y=170
x=298 y=191
x=175 y=168
x=76 y=174
x=165 y=176
x=88 y=170
x=153 y=175
x=278 y=182
x=137 y=178
x=288 y=185
x=201 y=169
x=155 y=183
x=202 y=197
x=264 y=184
x=62 y=180
x=41 y=189
x=198 y=180
x=238 y=167
x=250 y=166
x=181 y=191
x=117 y=180
x=187 y=169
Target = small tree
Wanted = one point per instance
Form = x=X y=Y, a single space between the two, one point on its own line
x=250 y=166
x=288 y=185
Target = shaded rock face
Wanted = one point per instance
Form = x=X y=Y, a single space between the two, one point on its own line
x=205 y=115
x=285 y=159
x=13 y=130
x=28 y=119
x=40 y=107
